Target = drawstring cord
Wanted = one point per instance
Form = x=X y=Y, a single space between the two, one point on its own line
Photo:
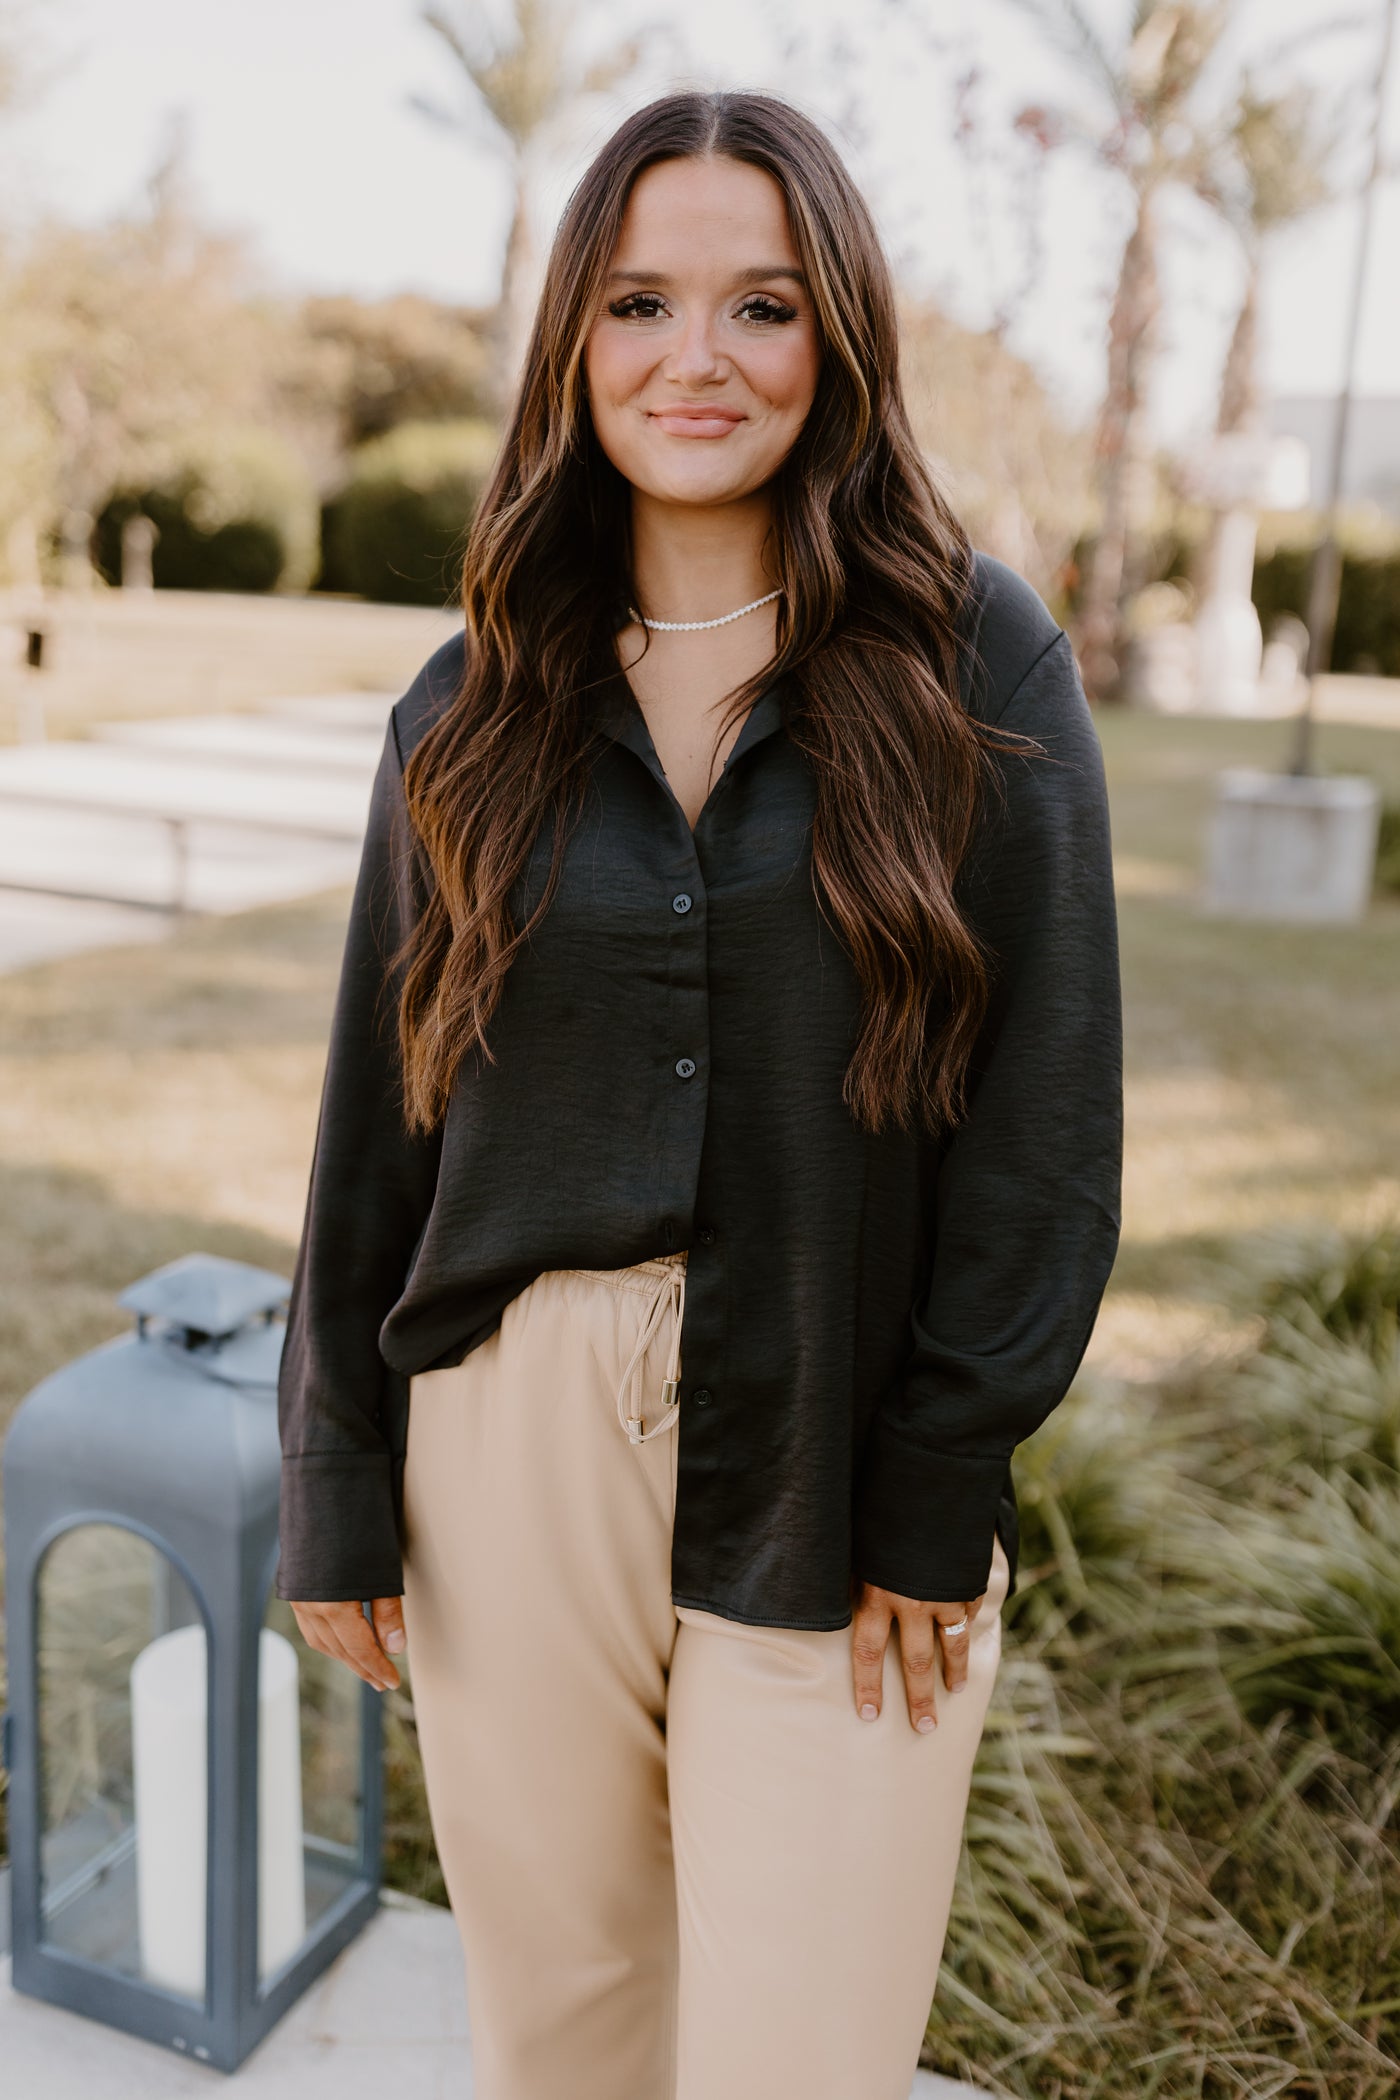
x=670 y=1290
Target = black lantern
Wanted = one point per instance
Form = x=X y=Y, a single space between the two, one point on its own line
x=195 y=1795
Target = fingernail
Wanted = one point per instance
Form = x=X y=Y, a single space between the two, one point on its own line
x=394 y=1641
x=870 y=1713
x=960 y=1686
x=926 y=1724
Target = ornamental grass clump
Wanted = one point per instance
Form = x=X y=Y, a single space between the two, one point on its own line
x=1182 y=1875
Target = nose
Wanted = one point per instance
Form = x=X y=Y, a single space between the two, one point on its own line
x=695 y=358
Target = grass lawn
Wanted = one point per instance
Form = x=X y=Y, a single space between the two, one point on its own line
x=163 y=1098
x=1263 y=1110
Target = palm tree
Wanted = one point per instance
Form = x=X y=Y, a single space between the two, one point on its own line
x=523 y=84
x=1141 y=121
x=1272 y=167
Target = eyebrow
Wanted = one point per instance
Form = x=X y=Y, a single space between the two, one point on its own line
x=659 y=277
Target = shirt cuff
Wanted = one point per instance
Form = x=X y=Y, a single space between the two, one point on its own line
x=336 y=1530
x=925 y=1521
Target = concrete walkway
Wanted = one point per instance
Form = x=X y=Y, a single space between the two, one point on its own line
x=35 y=929
x=105 y=841
x=388 y=2017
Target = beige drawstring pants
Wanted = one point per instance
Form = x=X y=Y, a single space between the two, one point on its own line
x=683 y=1868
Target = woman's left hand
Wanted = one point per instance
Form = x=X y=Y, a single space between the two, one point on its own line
x=921 y=1626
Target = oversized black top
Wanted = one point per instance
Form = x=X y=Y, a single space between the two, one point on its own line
x=871 y=1323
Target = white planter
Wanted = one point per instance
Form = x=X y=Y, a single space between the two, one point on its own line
x=1228 y=636
x=1288 y=846
x=1230 y=650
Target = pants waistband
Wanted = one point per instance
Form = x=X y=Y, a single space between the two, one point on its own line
x=661 y=1280
x=637 y=1275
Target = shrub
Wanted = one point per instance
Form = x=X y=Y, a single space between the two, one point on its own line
x=1356 y=1297
x=1324 y=1641
x=1367 y=635
x=1181 y=1875
x=236 y=512
x=1085 y=1489
x=1368 y=609
x=395 y=531
x=1388 y=848
x=399 y=360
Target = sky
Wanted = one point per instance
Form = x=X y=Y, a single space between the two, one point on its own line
x=301 y=131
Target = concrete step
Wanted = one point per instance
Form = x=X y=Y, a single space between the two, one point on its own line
x=35 y=929
x=276 y=741
x=388 y=2016
x=211 y=813
x=116 y=779
x=126 y=861
x=363 y=711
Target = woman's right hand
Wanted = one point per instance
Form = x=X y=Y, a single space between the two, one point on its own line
x=342 y=1630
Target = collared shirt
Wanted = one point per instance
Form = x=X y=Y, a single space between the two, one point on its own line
x=872 y=1323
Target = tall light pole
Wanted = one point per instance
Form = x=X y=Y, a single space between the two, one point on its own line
x=1325 y=575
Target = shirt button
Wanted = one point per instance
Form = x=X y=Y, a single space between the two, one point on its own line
x=702 y=1396
x=707 y=1234
x=685 y=1067
x=681 y=903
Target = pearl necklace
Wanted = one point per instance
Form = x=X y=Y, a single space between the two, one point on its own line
x=690 y=626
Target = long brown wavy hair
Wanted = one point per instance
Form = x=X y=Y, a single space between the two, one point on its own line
x=874 y=569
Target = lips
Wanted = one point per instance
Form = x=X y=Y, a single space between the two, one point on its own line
x=696 y=422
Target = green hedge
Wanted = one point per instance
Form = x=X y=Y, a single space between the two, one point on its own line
x=395 y=531
x=1388 y=849
x=1368 y=612
x=236 y=512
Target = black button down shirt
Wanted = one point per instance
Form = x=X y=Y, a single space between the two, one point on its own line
x=871 y=1323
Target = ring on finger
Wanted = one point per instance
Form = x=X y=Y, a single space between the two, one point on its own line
x=960 y=1627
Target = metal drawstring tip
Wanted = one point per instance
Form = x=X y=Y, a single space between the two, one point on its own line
x=634 y=1429
x=669 y=1389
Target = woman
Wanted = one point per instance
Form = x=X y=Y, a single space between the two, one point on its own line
x=718 y=1163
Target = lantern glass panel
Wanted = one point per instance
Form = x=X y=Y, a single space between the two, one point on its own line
x=123 y=1758
x=311 y=1802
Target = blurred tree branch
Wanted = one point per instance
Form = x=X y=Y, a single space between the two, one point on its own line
x=1016 y=470
x=16 y=52
x=116 y=343
x=29 y=63
x=1275 y=164
x=1141 y=121
x=1019 y=477
x=1162 y=110
x=524 y=79
x=126 y=347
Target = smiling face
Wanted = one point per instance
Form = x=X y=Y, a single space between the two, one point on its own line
x=702 y=362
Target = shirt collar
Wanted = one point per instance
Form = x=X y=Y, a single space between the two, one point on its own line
x=619 y=716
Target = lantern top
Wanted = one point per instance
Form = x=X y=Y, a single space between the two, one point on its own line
x=171 y=1428
x=205 y=1297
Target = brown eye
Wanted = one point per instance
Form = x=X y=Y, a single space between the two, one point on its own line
x=762 y=308
x=637 y=306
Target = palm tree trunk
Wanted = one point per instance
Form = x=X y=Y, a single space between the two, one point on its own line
x=1239 y=383
x=1122 y=450
x=1239 y=409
